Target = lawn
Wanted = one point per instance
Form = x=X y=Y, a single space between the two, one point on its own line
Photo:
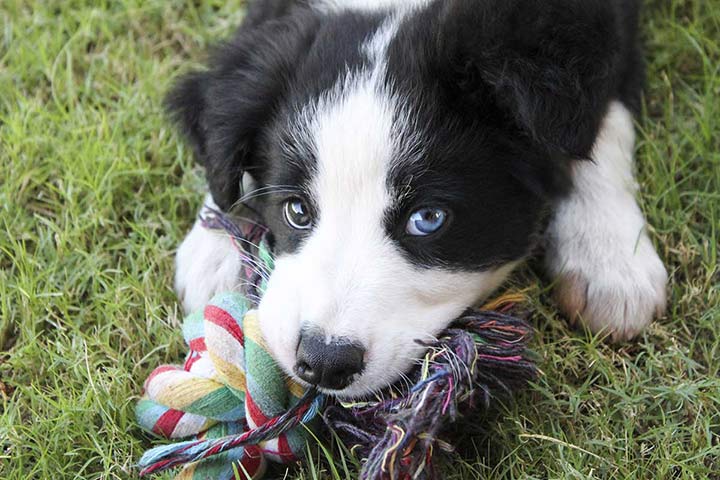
x=96 y=191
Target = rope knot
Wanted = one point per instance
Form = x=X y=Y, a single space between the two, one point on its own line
x=229 y=385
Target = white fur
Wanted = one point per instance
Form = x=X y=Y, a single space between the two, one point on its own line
x=598 y=248
x=348 y=278
x=206 y=263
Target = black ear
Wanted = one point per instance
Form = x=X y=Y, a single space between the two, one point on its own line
x=222 y=110
x=186 y=104
x=550 y=65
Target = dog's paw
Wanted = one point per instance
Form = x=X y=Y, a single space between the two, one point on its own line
x=207 y=263
x=610 y=286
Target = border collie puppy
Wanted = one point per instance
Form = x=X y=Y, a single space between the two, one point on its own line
x=407 y=155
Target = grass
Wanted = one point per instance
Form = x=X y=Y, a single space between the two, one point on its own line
x=96 y=191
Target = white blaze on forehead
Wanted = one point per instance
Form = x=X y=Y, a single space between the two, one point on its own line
x=354 y=146
x=376 y=49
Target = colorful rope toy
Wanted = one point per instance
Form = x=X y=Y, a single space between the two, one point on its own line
x=235 y=408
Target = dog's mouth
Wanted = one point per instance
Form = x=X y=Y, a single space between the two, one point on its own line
x=345 y=392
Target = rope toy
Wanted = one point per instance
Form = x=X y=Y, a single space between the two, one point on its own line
x=235 y=409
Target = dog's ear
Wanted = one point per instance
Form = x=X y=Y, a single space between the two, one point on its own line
x=548 y=64
x=222 y=110
x=186 y=104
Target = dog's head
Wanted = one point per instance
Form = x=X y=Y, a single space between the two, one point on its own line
x=402 y=160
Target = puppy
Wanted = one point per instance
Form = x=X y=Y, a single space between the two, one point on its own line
x=407 y=155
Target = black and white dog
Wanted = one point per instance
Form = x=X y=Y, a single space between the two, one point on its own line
x=407 y=155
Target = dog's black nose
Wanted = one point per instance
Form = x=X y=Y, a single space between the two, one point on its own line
x=330 y=366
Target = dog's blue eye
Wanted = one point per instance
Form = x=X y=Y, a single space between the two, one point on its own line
x=297 y=214
x=426 y=221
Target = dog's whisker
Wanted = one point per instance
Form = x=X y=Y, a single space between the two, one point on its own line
x=255 y=195
x=256 y=266
x=245 y=252
x=266 y=190
x=247 y=257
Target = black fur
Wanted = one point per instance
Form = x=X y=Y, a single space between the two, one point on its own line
x=223 y=110
x=506 y=93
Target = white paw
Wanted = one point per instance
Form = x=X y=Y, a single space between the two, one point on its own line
x=613 y=289
x=207 y=263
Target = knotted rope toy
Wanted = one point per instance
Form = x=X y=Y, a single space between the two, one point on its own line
x=238 y=409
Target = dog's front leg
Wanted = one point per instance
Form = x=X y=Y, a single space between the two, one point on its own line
x=607 y=272
x=207 y=263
